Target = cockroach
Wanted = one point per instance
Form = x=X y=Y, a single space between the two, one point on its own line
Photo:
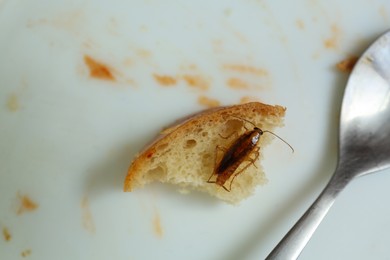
x=238 y=152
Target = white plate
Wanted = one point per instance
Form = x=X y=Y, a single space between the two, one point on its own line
x=66 y=139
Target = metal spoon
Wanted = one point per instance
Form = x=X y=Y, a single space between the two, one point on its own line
x=364 y=140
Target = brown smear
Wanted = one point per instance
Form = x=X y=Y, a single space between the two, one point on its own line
x=246 y=69
x=13 y=104
x=157 y=227
x=196 y=81
x=333 y=41
x=87 y=218
x=26 y=252
x=26 y=204
x=208 y=102
x=347 y=64
x=6 y=234
x=236 y=83
x=165 y=80
x=97 y=69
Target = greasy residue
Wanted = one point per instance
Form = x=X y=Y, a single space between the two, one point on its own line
x=157 y=227
x=246 y=69
x=347 y=64
x=332 y=42
x=208 y=102
x=6 y=234
x=87 y=218
x=26 y=252
x=26 y=204
x=98 y=69
x=13 y=104
x=165 y=80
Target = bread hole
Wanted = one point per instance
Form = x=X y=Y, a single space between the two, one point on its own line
x=204 y=134
x=190 y=144
x=157 y=173
x=233 y=125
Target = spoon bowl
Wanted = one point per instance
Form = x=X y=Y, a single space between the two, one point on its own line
x=364 y=140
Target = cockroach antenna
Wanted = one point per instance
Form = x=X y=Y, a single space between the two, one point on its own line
x=284 y=141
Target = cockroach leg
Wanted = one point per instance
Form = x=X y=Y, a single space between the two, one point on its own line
x=257 y=154
x=251 y=162
x=239 y=172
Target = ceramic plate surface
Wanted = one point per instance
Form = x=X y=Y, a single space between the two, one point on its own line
x=84 y=85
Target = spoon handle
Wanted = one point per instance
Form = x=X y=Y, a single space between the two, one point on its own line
x=296 y=239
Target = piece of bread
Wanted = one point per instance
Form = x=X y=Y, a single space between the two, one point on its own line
x=186 y=155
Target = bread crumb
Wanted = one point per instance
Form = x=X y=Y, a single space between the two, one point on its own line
x=208 y=102
x=26 y=204
x=157 y=227
x=6 y=234
x=25 y=253
x=13 y=103
x=165 y=80
x=347 y=64
x=196 y=81
x=246 y=69
x=97 y=69
x=87 y=218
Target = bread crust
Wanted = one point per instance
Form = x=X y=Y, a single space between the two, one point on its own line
x=178 y=130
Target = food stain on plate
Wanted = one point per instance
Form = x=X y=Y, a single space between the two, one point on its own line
x=237 y=83
x=6 y=234
x=261 y=72
x=208 y=102
x=26 y=204
x=143 y=53
x=347 y=65
x=333 y=41
x=243 y=76
x=157 y=226
x=13 y=104
x=196 y=81
x=300 y=24
x=165 y=80
x=26 y=253
x=98 y=69
x=247 y=99
x=383 y=13
x=87 y=218
x=71 y=21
